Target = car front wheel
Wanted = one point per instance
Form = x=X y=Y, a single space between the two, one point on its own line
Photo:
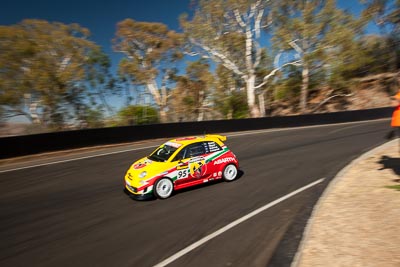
x=230 y=172
x=163 y=188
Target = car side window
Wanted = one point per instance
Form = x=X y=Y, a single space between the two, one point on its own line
x=196 y=149
x=213 y=147
x=190 y=151
x=181 y=154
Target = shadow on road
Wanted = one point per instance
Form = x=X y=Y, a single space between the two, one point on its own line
x=390 y=163
x=196 y=187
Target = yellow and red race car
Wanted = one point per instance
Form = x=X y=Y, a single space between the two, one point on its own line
x=181 y=163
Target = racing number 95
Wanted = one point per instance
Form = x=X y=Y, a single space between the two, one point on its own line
x=183 y=174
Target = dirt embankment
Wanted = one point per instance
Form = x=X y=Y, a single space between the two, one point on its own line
x=363 y=93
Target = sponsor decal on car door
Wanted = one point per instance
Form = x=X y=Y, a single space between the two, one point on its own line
x=198 y=167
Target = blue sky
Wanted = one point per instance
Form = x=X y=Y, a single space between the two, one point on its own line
x=101 y=16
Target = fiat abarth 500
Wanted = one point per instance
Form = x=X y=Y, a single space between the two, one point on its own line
x=181 y=163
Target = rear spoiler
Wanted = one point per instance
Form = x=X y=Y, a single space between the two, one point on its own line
x=222 y=138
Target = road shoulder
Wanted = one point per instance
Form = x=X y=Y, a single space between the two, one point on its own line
x=355 y=222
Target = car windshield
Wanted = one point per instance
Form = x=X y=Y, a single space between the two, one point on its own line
x=163 y=153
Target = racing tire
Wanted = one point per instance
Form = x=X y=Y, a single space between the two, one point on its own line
x=163 y=188
x=230 y=172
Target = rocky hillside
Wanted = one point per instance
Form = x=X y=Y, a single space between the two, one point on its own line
x=364 y=93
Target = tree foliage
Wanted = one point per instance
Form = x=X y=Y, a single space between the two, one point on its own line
x=93 y=118
x=137 y=115
x=229 y=32
x=150 y=50
x=229 y=96
x=100 y=81
x=250 y=56
x=318 y=32
x=191 y=95
x=44 y=66
x=386 y=15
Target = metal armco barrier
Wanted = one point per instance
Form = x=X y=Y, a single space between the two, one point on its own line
x=32 y=144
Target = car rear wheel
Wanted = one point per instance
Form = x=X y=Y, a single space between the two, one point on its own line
x=163 y=188
x=230 y=172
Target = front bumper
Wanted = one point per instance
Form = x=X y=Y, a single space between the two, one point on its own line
x=136 y=196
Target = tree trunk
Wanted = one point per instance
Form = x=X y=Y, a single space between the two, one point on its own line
x=163 y=115
x=251 y=99
x=200 y=115
x=34 y=114
x=304 y=88
x=261 y=103
x=153 y=89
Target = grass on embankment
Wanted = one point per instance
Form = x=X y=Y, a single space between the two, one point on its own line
x=396 y=187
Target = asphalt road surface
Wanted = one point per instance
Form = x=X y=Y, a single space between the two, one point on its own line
x=75 y=213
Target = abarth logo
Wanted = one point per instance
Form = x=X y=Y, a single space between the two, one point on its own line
x=224 y=160
x=198 y=168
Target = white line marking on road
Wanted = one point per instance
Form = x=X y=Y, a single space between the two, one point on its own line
x=74 y=159
x=342 y=129
x=233 y=224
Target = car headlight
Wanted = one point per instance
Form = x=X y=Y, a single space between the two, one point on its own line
x=142 y=174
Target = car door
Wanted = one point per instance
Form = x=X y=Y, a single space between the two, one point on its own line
x=191 y=163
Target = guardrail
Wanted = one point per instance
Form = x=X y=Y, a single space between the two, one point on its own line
x=31 y=144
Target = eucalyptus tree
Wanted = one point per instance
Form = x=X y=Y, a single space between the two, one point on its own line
x=137 y=115
x=229 y=96
x=101 y=83
x=386 y=15
x=321 y=34
x=43 y=69
x=150 y=50
x=230 y=33
x=191 y=96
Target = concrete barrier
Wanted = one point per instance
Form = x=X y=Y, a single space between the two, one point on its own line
x=31 y=144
